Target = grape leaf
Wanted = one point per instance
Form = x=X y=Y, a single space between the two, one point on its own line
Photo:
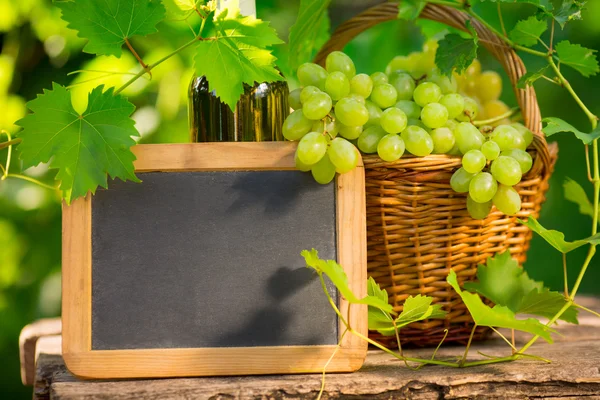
x=410 y=9
x=503 y=282
x=578 y=57
x=575 y=193
x=527 y=32
x=378 y=318
x=556 y=125
x=106 y=24
x=499 y=316
x=84 y=148
x=180 y=9
x=338 y=277
x=557 y=239
x=545 y=5
x=530 y=77
x=232 y=59
x=456 y=52
x=570 y=10
x=310 y=31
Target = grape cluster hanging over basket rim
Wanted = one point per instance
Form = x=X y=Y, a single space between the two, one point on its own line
x=410 y=109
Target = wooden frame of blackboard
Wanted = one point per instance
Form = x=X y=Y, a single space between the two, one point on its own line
x=141 y=363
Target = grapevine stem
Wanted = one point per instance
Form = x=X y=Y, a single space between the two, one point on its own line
x=464 y=357
x=9 y=143
x=9 y=155
x=30 y=179
x=504 y=338
x=137 y=56
x=501 y=20
x=587 y=162
x=507 y=114
x=564 y=256
x=329 y=361
x=586 y=309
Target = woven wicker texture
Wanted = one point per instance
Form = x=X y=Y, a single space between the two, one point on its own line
x=418 y=228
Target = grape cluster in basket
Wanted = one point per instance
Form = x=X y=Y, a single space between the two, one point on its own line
x=411 y=108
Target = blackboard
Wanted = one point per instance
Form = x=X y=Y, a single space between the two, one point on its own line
x=211 y=259
x=197 y=270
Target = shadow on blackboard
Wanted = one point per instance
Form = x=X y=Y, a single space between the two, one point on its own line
x=279 y=191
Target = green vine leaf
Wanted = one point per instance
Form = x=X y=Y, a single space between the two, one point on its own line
x=84 y=148
x=106 y=24
x=378 y=319
x=234 y=56
x=503 y=282
x=575 y=193
x=310 y=31
x=557 y=239
x=570 y=10
x=498 y=316
x=528 y=32
x=410 y=10
x=578 y=57
x=180 y=9
x=557 y=125
x=456 y=53
x=338 y=277
x=530 y=77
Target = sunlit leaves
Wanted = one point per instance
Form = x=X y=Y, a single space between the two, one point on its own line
x=570 y=10
x=310 y=31
x=528 y=32
x=557 y=239
x=575 y=193
x=107 y=24
x=410 y=9
x=498 y=316
x=557 y=125
x=530 y=77
x=456 y=53
x=578 y=57
x=503 y=282
x=83 y=147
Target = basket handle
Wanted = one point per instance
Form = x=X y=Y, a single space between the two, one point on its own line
x=510 y=61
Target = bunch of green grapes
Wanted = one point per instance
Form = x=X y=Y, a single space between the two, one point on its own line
x=410 y=108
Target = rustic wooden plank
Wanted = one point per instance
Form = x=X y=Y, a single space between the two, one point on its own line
x=27 y=345
x=573 y=374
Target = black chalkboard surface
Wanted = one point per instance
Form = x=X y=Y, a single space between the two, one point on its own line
x=211 y=259
x=197 y=270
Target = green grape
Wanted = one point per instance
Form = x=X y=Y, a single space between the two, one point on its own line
x=317 y=106
x=378 y=78
x=443 y=140
x=526 y=133
x=523 y=158
x=420 y=67
x=311 y=148
x=393 y=120
x=337 y=85
x=324 y=171
x=473 y=161
x=369 y=139
x=404 y=84
x=351 y=112
x=296 y=125
x=350 y=132
x=410 y=108
x=390 y=147
x=374 y=113
x=490 y=150
x=384 y=95
x=507 y=200
x=358 y=98
x=362 y=85
x=468 y=137
x=470 y=111
x=402 y=63
x=478 y=210
x=506 y=170
x=343 y=155
x=331 y=126
x=434 y=115
x=451 y=124
x=455 y=104
x=294 y=99
x=488 y=86
x=460 y=180
x=417 y=141
x=508 y=138
x=427 y=92
x=447 y=84
x=417 y=122
x=300 y=165
x=483 y=187
x=308 y=92
x=310 y=74
x=337 y=61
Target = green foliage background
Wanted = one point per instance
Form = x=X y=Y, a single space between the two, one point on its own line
x=37 y=48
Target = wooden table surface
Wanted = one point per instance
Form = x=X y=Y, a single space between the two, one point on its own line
x=573 y=374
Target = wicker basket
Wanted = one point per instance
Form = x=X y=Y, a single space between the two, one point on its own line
x=418 y=228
